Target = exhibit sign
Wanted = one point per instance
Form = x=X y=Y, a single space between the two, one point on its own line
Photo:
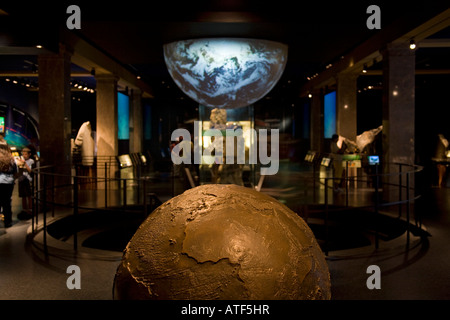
x=325 y=162
x=374 y=160
x=352 y=163
x=125 y=161
x=310 y=155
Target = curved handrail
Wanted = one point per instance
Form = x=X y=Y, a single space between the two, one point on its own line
x=42 y=188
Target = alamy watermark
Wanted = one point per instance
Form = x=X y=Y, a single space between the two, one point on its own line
x=374 y=280
x=235 y=147
x=74 y=20
x=74 y=280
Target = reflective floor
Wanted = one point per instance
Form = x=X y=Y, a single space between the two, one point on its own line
x=419 y=271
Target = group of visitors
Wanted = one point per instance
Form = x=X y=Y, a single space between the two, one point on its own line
x=12 y=168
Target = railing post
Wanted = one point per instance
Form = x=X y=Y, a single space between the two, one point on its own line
x=314 y=181
x=33 y=199
x=407 y=209
x=38 y=175
x=417 y=214
x=145 y=199
x=75 y=213
x=346 y=183
x=139 y=174
x=400 y=190
x=124 y=192
x=326 y=216
x=45 y=215
x=377 y=197
x=53 y=192
x=106 y=185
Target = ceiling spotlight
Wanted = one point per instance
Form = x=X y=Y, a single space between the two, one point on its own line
x=364 y=70
x=412 y=44
x=39 y=46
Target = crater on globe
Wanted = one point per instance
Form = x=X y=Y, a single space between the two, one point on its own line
x=223 y=242
x=225 y=72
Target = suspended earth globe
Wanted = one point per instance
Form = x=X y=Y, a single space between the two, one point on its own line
x=223 y=242
x=225 y=72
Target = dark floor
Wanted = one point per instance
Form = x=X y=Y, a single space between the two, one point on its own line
x=419 y=271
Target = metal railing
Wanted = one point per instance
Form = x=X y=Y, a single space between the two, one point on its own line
x=406 y=196
x=45 y=192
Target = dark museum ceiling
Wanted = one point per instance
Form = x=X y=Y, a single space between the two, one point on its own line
x=133 y=32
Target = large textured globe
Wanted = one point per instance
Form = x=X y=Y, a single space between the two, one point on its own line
x=225 y=72
x=223 y=242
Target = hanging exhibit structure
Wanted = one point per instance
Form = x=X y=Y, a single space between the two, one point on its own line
x=225 y=72
x=226 y=76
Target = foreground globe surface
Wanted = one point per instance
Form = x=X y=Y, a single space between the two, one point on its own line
x=225 y=72
x=223 y=242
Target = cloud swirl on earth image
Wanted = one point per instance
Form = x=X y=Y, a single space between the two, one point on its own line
x=224 y=72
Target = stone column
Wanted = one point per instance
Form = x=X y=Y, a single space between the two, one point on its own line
x=398 y=107
x=346 y=122
x=136 y=122
x=398 y=103
x=317 y=121
x=107 y=125
x=55 y=113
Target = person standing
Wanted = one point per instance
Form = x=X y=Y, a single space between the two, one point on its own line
x=25 y=164
x=8 y=168
x=338 y=148
x=441 y=158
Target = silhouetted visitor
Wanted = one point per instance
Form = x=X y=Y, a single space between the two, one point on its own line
x=25 y=164
x=441 y=157
x=8 y=169
x=337 y=150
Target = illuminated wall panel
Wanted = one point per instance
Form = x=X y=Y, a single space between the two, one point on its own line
x=123 y=109
x=329 y=115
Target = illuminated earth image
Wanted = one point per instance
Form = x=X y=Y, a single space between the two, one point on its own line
x=223 y=242
x=225 y=72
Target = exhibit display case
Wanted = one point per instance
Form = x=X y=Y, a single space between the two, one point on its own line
x=226 y=139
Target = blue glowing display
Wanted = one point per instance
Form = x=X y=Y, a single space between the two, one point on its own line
x=329 y=115
x=123 y=109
